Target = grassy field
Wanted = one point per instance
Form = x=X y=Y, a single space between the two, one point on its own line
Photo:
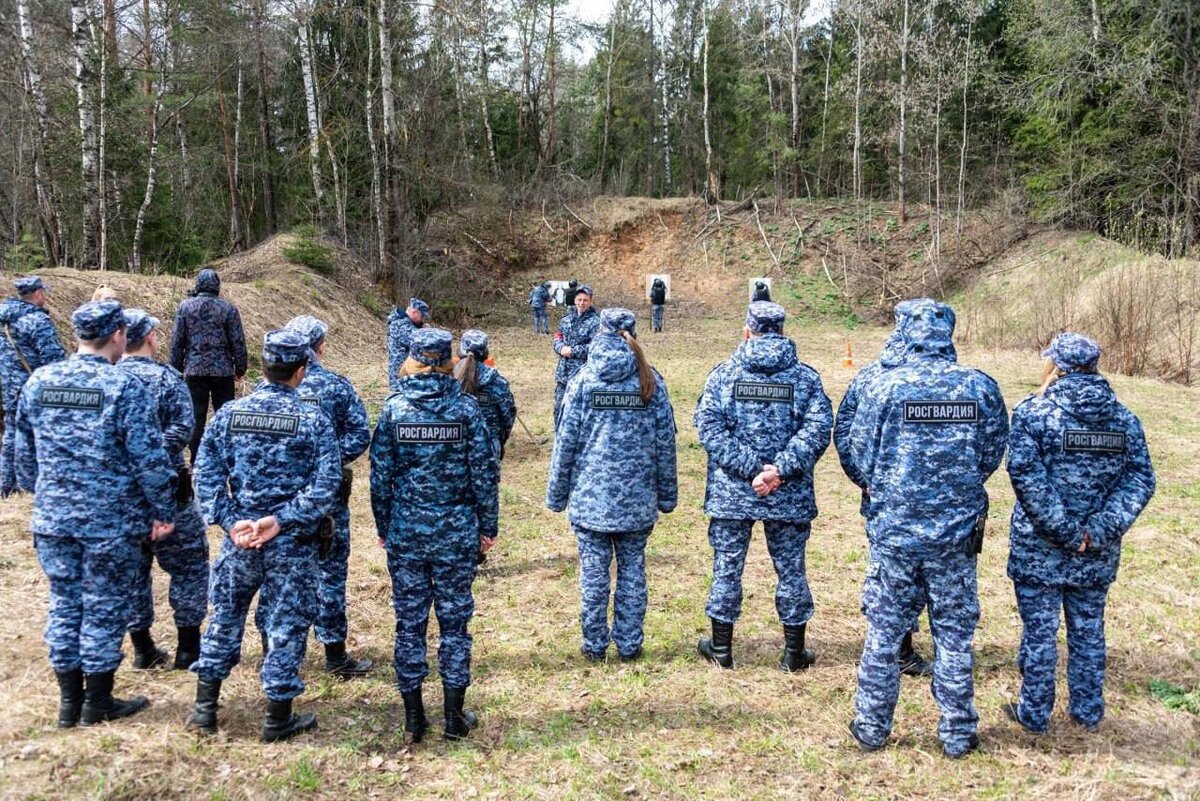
x=554 y=726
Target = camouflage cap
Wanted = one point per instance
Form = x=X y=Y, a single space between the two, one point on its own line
x=473 y=342
x=765 y=317
x=419 y=305
x=97 y=318
x=309 y=327
x=138 y=324
x=431 y=346
x=284 y=347
x=616 y=319
x=584 y=289
x=1073 y=352
x=28 y=284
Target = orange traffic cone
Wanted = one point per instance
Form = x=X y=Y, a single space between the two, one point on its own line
x=849 y=360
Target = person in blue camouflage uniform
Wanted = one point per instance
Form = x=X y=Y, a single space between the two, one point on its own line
x=571 y=341
x=267 y=472
x=336 y=396
x=209 y=347
x=87 y=432
x=613 y=470
x=925 y=438
x=539 y=299
x=658 y=304
x=27 y=341
x=435 y=497
x=184 y=554
x=487 y=386
x=1081 y=472
x=911 y=663
x=764 y=421
x=402 y=324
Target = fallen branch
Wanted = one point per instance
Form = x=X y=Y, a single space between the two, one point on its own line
x=480 y=245
x=586 y=224
x=747 y=203
x=764 y=233
x=660 y=222
x=547 y=222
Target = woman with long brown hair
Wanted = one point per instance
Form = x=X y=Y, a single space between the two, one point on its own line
x=484 y=383
x=613 y=471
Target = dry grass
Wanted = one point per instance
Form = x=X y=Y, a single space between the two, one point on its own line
x=554 y=726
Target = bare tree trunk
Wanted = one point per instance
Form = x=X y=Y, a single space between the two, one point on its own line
x=1095 y=22
x=551 y=59
x=962 y=147
x=81 y=33
x=485 y=90
x=376 y=182
x=147 y=52
x=825 y=109
x=314 y=128
x=237 y=221
x=235 y=206
x=185 y=168
x=106 y=53
x=339 y=195
x=666 y=111
x=48 y=218
x=902 y=211
x=796 y=9
x=612 y=37
x=712 y=188
x=858 y=75
x=135 y=253
x=264 y=122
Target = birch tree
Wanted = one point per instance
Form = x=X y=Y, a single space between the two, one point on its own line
x=82 y=40
x=49 y=222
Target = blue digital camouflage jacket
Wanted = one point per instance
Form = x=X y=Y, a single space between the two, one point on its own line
x=335 y=395
x=574 y=331
x=400 y=331
x=34 y=336
x=176 y=415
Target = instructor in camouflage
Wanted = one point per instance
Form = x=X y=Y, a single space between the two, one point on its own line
x=183 y=554
x=613 y=471
x=402 y=324
x=764 y=420
x=1081 y=472
x=27 y=341
x=925 y=438
x=89 y=448
x=267 y=472
x=434 y=493
x=571 y=342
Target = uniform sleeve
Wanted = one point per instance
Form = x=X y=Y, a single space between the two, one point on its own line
x=145 y=455
x=716 y=430
x=317 y=499
x=354 y=432
x=45 y=342
x=866 y=432
x=236 y=338
x=995 y=431
x=397 y=352
x=485 y=477
x=508 y=411
x=1133 y=490
x=1034 y=488
x=26 y=445
x=566 y=448
x=179 y=341
x=383 y=468
x=841 y=433
x=666 y=479
x=212 y=476
x=799 y=457
x=177 y=434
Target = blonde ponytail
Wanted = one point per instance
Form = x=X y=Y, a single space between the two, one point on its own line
x=1050 y=374
x=645 y=374
x=465 y=372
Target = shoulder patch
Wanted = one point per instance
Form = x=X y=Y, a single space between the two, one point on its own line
x=941 y=411
x=276 y=425
x=311 y=400
x=1078 y=441
x=428 y=433
x=607 y=400
x=87 y=399
x=765 y=392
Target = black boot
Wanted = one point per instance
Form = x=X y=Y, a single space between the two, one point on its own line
x=281 y=724
x=204 y=716
x=188 y=649
x=458 y=722
x=718 y=650
x=70 y=697
x=415 y=722
x=911 y=663
x=342 y=665
x=146 y=654
x=99 y=704
x=795 y=656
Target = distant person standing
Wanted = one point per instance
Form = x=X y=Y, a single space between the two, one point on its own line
x=539 y=298
x=27 y=341
x=209 y=347
x=402 y=324
x=761 y=292
x=569 y=295
x=575 y=332
x=89 y=446
x=658 y=303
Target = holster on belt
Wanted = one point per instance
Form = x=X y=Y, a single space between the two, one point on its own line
x=324 y=537
x=345 y=486
x=183 y=486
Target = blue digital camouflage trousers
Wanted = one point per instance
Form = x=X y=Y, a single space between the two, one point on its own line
x=446 y=585
x=89 y=599
x=596 y=551
x=893 y=594
x=1037 y=658
x=286 y=572
x=183 y=555
x=656 y=317
x=730 y=540
x=8 y=452
x=541 y=320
